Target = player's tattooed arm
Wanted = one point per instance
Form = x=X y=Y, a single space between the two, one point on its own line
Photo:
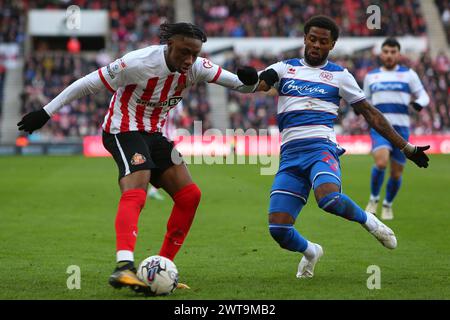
x=377 y=121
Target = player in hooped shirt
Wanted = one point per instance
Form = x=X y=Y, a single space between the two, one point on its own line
x=309 y=93
x=146 y=84
x=391 y=89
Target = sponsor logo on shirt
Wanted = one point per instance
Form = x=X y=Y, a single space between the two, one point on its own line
x=115 y=67
x=111 y=74
x=171 y=102
x=302 y=89
x=389 y=86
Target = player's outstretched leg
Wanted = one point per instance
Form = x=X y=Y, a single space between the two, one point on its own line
x=177 y=182
x=186 y=202
x=341 y=205
x=130 y=205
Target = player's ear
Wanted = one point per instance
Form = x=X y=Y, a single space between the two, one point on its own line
x=170 y=45
x=333 y=42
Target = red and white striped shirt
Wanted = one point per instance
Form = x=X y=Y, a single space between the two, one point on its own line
x=145 y=89
x=169 y=130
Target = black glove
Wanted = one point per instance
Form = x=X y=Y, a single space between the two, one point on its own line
x=248 y=75
x=416 y=106
x=269 y=76
x=417 y=155
x=33 y=121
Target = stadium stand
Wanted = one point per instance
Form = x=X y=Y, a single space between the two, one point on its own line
x=2 y=80
x=135 y=24
x=47 y=74
x=444 y=10
x=277 y=18
x=12 y=21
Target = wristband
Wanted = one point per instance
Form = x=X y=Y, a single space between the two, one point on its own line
x=409 y=148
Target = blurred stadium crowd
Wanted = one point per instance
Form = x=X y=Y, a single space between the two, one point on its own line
x=136 y=24
x=259 y=110
x=281 y=18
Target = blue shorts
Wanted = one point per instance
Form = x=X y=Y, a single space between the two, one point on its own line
x=304 y=164
x=379 y=142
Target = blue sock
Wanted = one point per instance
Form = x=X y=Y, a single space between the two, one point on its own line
x=392 y=188
x=376 y=181
x=341 y=205
x=288 y=237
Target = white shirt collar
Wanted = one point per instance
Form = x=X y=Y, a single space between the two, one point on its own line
x=315 y=67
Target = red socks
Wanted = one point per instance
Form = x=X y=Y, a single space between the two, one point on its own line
x=183 y=212
x=130 y=206
x=180 y=221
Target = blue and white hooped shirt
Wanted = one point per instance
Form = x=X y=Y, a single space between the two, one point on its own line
x=391 y=91
x=309 y=98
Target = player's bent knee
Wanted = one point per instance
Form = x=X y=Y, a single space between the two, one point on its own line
x=281 y=233
x=188 y=196
x=330 y=201
x=381 y=165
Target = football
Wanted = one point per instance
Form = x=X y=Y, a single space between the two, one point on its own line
x=160 y=274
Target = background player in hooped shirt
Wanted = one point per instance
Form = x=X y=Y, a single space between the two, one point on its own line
x=146 y=84
x=390 y=88
x=309 y=93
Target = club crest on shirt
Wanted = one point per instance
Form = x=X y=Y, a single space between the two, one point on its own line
x=207 y=64
x=326 y=76
x=137 y=159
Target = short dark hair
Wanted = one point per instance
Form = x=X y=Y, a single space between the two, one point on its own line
x=324 y=22
x=168 y=30
x=391 y=42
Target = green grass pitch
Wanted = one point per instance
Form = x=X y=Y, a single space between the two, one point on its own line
x=59 y=211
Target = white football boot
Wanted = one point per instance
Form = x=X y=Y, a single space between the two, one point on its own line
x=372 y=206
x=306 y=267
x=383 y=233
x=153 y=193
x=387 y=213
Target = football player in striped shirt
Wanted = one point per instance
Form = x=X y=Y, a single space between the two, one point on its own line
x=145 y=84
x=391 y=89
x=310 y=90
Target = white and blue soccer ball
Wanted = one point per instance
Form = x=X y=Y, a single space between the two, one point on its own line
x=160 y=274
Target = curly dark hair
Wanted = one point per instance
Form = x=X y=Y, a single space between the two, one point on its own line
x=324 y=22
x=168 y=30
